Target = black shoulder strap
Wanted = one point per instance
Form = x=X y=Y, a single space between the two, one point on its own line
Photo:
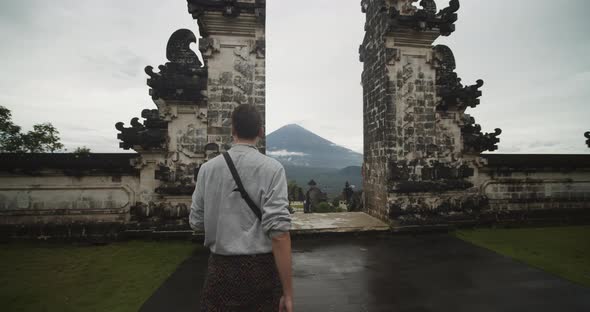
x=245 y=196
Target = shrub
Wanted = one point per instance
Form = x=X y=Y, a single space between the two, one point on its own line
x=324 y=207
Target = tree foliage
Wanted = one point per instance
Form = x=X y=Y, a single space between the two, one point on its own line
x=295 y=192
x=325 y=207
x=356 y=201
x=347 y=192
x=82 y=150
x=43 y=138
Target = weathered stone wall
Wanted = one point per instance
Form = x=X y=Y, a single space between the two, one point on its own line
x=191 y=125
x=54 y=198
x=233 y=46
x=423 y=162
x=379 y=130
x=415 y=124
x=195 y=102
x=77 y=193
x=536 y=187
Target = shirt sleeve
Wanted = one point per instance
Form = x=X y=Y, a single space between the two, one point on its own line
x=197 y=213
x=276 y=218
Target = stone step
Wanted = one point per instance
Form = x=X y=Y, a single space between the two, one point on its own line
x=302 y=225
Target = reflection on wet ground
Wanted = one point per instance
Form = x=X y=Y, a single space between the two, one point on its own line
x=399 y=273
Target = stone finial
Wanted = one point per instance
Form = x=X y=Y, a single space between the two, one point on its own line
x=183 y=78
x=587 y=135
x=423 y=19
x=178 y=48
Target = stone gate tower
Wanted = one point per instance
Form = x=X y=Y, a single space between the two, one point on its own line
x=194 y=101
x=421 y=150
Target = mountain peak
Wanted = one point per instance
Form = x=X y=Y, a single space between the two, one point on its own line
x=296 y=146
x=292 y=127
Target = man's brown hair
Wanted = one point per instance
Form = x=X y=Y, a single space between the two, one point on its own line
x=246 y=121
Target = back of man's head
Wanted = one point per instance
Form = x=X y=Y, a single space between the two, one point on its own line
x=246 y=122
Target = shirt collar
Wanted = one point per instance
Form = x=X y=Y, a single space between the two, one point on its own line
x=243 y=146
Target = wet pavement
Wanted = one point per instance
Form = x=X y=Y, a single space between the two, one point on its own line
x=434 y=272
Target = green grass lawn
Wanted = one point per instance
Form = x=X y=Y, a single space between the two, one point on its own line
x=564 y=251
x=116 y=277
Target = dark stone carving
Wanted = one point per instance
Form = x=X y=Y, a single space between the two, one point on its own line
x=69 y=163
x=261 y=13
x=177 y=180
x=429 y=7
x=159 y=211
x=211 y=150
x=183 y=78
x=587 y=135
x=175 y=189
x=151 y=134
x=229 y=8
x=475 y=141
x=208 y=46
x=425 y=18
x=430 y=186
x=404 y=177
x=452 y=93
x=448 y=17
x=260 y=48
x=163 y=173
x=417 y=212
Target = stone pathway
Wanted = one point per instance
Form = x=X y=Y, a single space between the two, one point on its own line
x=336 y=223
x=396 y=273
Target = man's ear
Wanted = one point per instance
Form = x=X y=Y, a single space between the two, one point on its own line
x=261 y=132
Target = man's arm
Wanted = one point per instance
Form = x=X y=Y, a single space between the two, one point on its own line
x=276 y=222
x=197 y=214
x=281 y=249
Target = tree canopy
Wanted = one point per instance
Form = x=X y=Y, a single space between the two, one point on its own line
x=43 y=138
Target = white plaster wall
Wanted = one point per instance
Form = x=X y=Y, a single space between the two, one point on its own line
x=536 y=189
x=55 y=197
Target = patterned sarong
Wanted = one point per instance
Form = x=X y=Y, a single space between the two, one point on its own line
x=241 y=283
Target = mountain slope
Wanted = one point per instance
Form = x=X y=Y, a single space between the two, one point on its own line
x=330 y=181
x=296 y=146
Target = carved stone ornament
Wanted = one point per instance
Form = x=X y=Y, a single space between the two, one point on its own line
x=209 y=46
x=183 y=78
x=229 y=8
x=425 y=18
x=260 y=48
x=150 y=135
x=475 y=141
x=449 y=88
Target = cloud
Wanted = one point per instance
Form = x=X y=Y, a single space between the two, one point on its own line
x=79 y=64
x=284 y=153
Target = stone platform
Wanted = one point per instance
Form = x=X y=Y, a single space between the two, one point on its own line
x=342 y=222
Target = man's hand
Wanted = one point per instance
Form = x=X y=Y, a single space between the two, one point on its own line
x=286 y=304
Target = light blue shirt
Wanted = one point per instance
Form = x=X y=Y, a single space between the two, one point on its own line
x=230 y=226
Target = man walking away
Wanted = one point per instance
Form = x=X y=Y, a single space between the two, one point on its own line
x=240 y=202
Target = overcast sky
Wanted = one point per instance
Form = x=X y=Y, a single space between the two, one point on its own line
x=79 y=64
